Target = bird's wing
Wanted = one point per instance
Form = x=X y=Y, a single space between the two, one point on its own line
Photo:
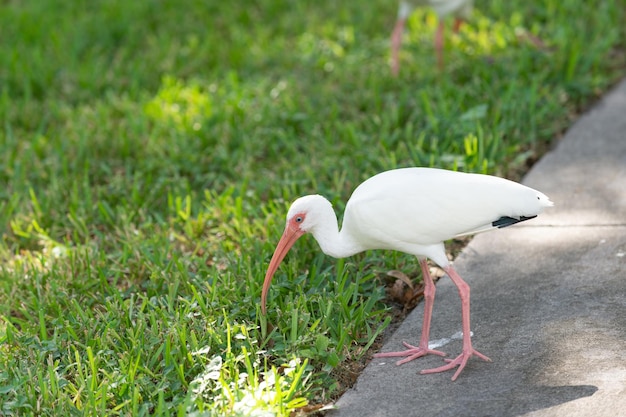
x=428 y=206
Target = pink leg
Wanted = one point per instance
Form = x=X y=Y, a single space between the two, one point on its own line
x=457 y=25
x=414 y=352
x=439 y=43
x=396 y=43
x=468 y=350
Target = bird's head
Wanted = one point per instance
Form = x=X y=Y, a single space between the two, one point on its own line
x=303 y=216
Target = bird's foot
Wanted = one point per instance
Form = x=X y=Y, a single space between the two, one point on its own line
x=459 y=361
x=412 y=352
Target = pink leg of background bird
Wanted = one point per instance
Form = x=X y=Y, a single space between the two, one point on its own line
x=414 y=352
x=457 y=25
x=396 y=43
x=439 y=38
x=468 y=350
x=439 y=43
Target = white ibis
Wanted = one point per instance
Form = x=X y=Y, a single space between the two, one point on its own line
x=413 y=210
x=460 y=9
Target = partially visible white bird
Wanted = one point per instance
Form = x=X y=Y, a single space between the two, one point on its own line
x=460 y=9
x=413 y=210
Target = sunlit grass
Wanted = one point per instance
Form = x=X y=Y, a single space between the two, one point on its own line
x=235 y=385
x=150 y=153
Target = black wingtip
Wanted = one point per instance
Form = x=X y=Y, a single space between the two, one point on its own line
x=505 y=221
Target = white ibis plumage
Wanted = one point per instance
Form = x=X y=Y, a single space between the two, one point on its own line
x=460 y=9
x=413 y=210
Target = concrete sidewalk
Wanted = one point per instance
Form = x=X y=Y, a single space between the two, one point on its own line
x=548 y=300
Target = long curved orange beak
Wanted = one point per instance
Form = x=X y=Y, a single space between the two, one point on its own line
x=289 y=237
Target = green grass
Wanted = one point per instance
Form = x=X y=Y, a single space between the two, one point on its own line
x=150 y=151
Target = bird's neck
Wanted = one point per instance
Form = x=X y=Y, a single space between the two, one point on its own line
x=335 y=243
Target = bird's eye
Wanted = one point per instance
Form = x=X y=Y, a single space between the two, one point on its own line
x=299 y=219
